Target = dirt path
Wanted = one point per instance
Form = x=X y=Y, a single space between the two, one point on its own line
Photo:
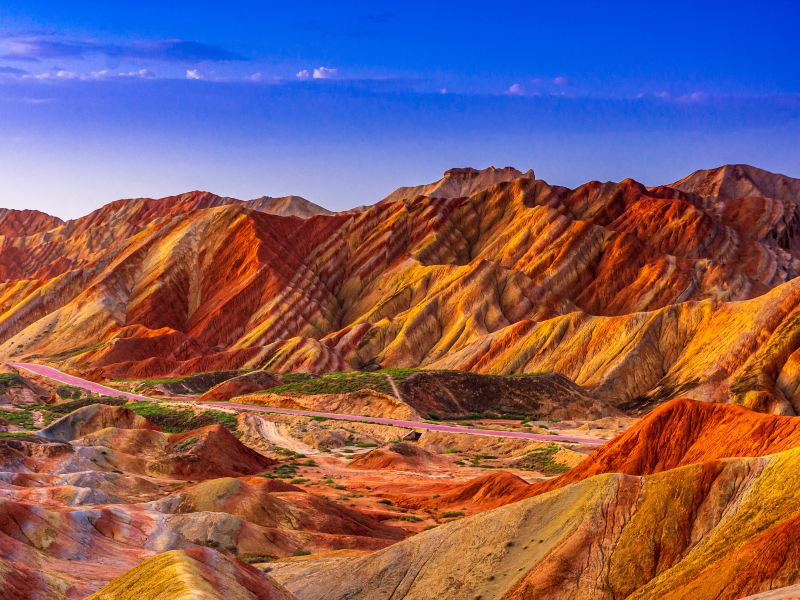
x=271 y=432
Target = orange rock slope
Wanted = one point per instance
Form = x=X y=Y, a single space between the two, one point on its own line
x=636 y=294
x=698 y=501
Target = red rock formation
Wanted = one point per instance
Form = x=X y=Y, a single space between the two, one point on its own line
x=399 y=457
x=630 y=292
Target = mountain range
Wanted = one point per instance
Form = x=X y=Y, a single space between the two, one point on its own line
x=636 y=293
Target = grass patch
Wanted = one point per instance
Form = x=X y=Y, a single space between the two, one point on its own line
x=452 y=514
x=187 y=443
x=181 y=420
x=10 y=380
x=301 y=552
x=256 y=559
x=64 y=408
x=302 y=384
x=51 y=412
x=23 y=418
x=541 y=459
x=19 y=435
x=410 y=518
x=61 y=356
x=69 y=392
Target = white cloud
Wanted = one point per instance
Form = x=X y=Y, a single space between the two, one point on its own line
x=560 y=80
x=692 y=98
x=193 y=74
x=515 y=89
x=140 y=74
x=324 y=73
x=59 y=74
x=443 y=91
x=318 y=73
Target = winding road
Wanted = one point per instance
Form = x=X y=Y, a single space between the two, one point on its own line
x=90 y=386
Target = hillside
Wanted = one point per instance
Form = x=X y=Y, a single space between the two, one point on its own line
x=521 y=277
x=721 y=529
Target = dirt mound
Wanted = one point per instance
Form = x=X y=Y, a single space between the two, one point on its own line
x=208 y=452
x=241 y=385
x=402 y=456
x=481 y=493
x=192 y=573
x=93 y=418
x=452 y=394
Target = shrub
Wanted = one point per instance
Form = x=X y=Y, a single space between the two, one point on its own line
x=69 y=392
x=452 y=514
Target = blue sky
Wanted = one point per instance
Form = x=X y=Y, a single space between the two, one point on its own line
x=343 y=103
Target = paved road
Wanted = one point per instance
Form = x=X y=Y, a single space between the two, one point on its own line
x=56 y=375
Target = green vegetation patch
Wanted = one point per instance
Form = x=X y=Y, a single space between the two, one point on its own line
x=22 y=418
x=257 y=559
x=176 y=420
x=51 y=412
x=10 y=380
x=303 y=384
x=69 y=392
x=542 y=460
x=19 y=435
x=64 y=408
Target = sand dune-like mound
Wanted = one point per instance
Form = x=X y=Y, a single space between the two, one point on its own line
x=192 y=574
x=208 y=452
x=402 y=456
x=92 y=418
x=240 y=386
